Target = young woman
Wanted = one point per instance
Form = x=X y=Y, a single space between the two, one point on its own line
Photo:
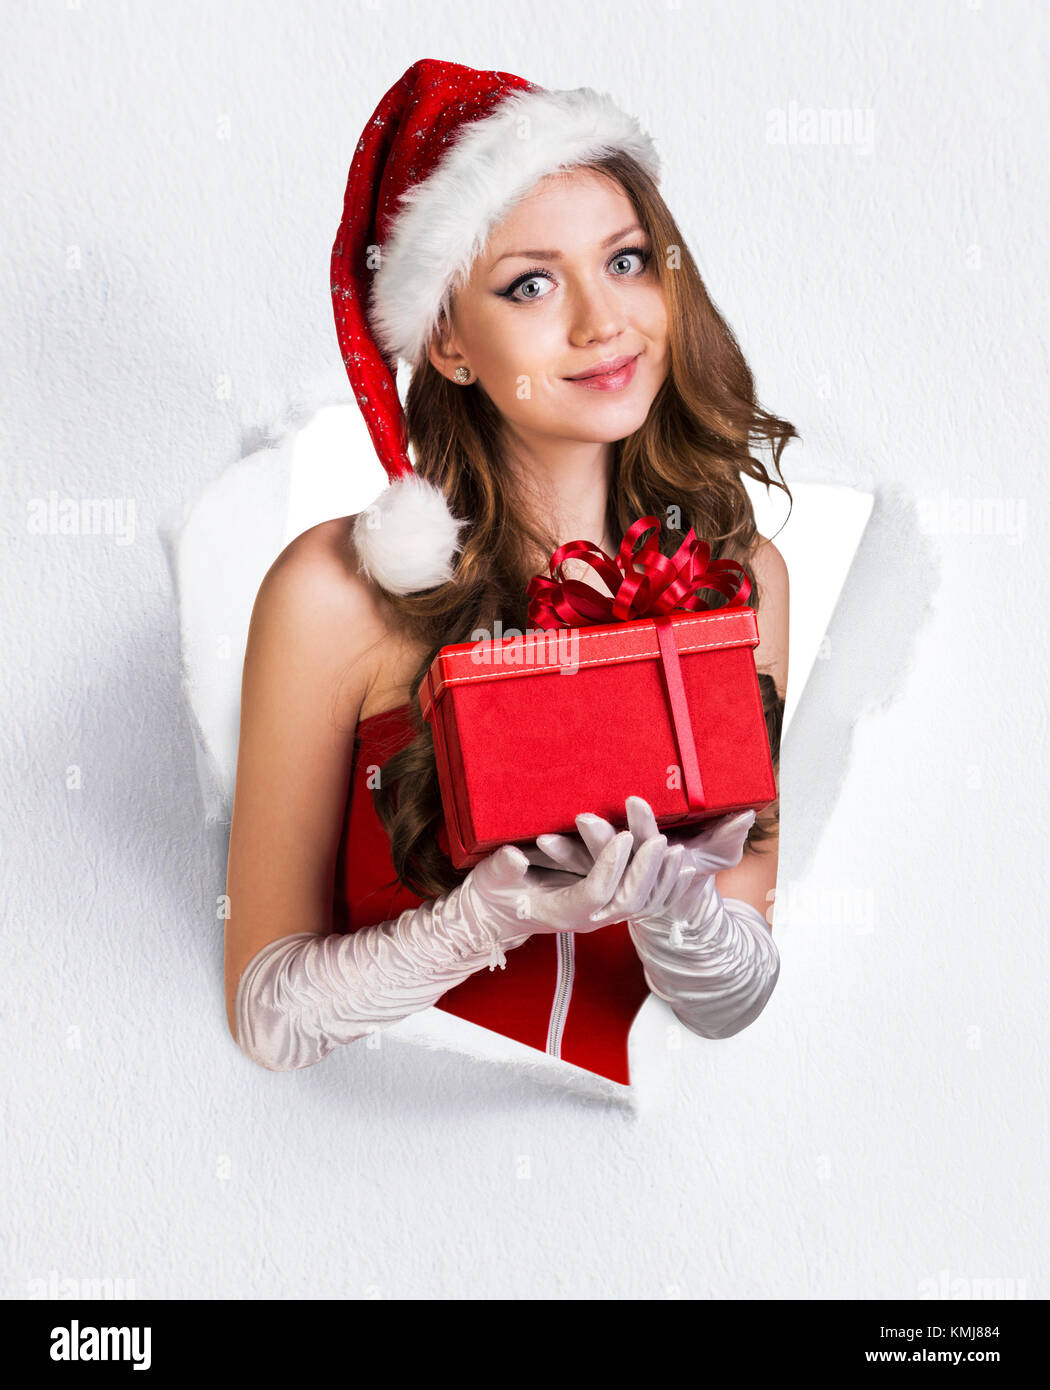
x=570 y=374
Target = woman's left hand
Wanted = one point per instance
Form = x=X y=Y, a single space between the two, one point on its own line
x=718 y=844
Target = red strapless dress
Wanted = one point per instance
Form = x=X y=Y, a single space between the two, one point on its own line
x=573 y=995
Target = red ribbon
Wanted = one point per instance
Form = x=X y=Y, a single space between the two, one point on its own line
x=662 y=586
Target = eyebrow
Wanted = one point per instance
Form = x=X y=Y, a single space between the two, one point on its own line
x=556 y=255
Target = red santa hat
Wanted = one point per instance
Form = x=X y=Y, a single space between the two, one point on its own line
x=445 y=156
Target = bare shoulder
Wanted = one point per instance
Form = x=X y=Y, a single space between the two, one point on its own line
x=319 y=569
x=316 y=621
x=769 y=565
x=315 y=602
x=771 y=573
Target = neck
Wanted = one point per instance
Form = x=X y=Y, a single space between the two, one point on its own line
x=564 y=487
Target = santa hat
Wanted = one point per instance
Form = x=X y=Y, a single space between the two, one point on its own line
x=445 y=156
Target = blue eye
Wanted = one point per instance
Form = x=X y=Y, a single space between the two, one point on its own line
x=523 y=280
x=633 y=251
x=539 y=273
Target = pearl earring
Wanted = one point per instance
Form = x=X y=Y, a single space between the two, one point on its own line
x=462 y=374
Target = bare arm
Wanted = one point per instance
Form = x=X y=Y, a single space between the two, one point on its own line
x=307 y=668
x=754 y=879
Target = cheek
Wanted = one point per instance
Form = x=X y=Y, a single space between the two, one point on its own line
x=654 y=315
x=527 y=350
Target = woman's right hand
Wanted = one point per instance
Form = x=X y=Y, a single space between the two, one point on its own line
x=511 y=898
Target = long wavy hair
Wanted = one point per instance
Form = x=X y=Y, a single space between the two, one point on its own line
x=684 y=462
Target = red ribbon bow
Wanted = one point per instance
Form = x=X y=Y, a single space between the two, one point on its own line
x=662 y=585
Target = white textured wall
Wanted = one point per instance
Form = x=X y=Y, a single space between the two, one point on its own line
x=173 y=177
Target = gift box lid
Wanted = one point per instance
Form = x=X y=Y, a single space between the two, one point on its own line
x=548 y=649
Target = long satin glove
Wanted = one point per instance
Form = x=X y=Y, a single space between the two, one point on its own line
x=304 y=995
x=712 y=959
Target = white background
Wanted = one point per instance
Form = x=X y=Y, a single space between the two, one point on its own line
x=173 y=178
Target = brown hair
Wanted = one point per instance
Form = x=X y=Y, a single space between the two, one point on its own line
x=687 y=455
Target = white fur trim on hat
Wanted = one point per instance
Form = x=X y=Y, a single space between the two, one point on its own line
x=407 y=538
x=444 y=222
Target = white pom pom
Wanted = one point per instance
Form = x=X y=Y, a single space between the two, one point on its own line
x=407 y=538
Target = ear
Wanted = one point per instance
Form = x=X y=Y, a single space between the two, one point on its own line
x=443 y=349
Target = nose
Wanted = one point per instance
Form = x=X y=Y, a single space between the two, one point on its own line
x=598 y=314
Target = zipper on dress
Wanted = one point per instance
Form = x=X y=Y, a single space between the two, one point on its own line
x=566 y=943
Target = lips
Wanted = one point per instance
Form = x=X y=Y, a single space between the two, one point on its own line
x=613 y=364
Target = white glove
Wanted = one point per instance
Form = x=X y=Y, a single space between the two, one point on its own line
x=305 y=994
x=713 y=959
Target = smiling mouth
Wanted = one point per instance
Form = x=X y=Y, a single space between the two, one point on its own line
x=611 y=368
x=616 y=376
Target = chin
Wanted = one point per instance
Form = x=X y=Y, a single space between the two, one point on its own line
x=597 y=418
x=608 y=421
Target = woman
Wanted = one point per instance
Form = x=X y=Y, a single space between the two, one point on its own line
x=570 y=375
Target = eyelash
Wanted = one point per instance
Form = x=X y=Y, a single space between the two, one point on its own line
x=516 y=284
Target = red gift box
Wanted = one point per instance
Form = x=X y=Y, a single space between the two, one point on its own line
x=531 y=729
